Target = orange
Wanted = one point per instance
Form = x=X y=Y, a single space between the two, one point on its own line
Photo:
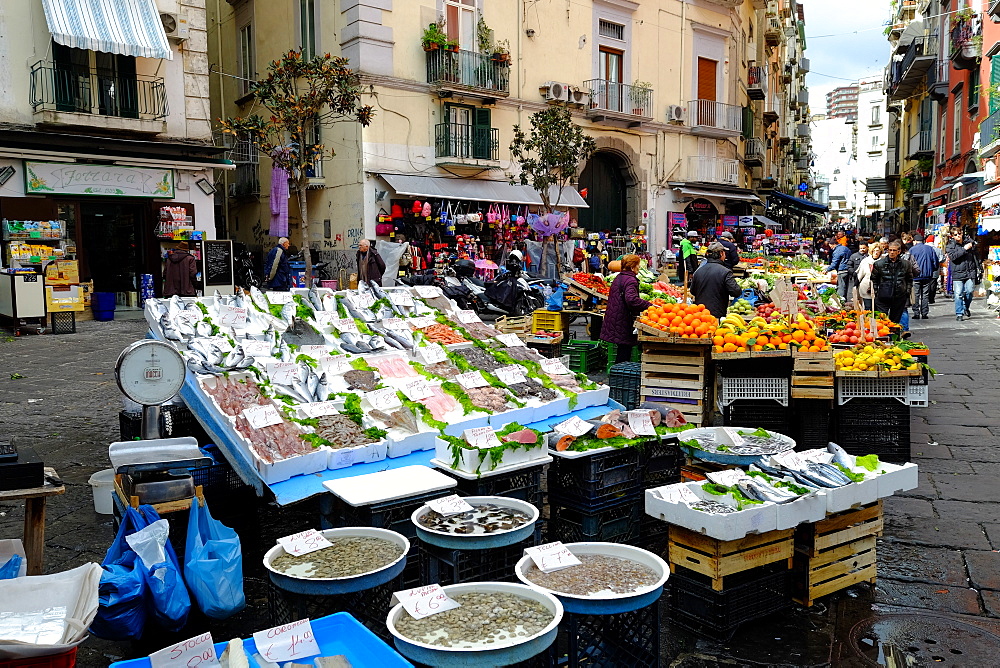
x=762 y=340
x=741 y=349
x=718 y=341
x=782 y=346
x=798 y=335
x=729 y=347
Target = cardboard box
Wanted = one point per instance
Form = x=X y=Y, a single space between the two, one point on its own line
x=64 y=298
x=63 y=272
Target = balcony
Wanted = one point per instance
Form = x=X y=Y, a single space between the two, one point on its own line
x=246 y=178
x=713 y=170
x=802 y=97
x=994 y=10
x=83 y=97
x=715 y=119
x=916 y=185
x=469 y=73
x=892 y=166
x=989 y=135
x=802 y=130
x=466 y=143
x=937 y=80
x=966 y=42
x=804 y=64
x=907 y=74
x=921 y=145
x=773 y=32
x=618 y=103
x=753 y=155
x=756 y=82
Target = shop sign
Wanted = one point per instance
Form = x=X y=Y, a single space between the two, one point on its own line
x=71 y=178
x=730 y=221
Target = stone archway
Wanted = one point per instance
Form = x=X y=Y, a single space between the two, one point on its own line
x=617 y=156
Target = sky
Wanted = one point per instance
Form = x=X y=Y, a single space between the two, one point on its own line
x=850 y=55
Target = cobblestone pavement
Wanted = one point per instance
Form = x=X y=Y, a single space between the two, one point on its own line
x=938 y=558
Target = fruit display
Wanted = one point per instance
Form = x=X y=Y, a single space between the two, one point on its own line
x=852 y=334
x=736 y=335
x=660 y=290
x=690 y=321
x=874 y=356
x=592 y=282
x=740 y=307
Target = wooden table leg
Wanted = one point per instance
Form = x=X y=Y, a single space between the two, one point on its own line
x=34 y=534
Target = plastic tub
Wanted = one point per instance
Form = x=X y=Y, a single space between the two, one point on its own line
x=328 y=284
x=102 y=484
x=482 y=541
x=103 y=305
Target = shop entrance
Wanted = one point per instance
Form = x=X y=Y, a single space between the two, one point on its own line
x=607 y=188
x=113 y=244
x=702 y=216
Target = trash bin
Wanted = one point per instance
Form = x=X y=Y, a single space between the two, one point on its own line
x=103 y=305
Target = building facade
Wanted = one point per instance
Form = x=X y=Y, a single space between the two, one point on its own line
x=842 y=102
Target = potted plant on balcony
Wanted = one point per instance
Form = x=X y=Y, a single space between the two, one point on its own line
x=434 y=37
x=641 y=95
x=924 y=166
x=501 y=52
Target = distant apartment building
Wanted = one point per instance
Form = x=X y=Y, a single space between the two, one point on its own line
x=842 y=102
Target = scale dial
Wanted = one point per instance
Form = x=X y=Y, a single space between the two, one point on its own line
x=150 y=372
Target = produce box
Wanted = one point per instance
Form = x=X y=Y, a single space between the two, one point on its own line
x=717 y=559
x=62 y=272
x=64 y=298
x=756 y=519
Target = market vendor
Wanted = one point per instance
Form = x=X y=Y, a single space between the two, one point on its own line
x=624 y=305
x=713 y=284
x=688 y=260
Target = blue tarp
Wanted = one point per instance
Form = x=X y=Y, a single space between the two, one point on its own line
x=799 y=202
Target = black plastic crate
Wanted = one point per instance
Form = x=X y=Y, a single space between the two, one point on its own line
x=524 y=484
x=618 y=523
x=626 y=640
x=875 y=426
x=175 y=421
x=746 y=596
x=62 y=322
x=653 y=535
x=444 y=566
x=661 y=462
x=595 y=480
x=813 y=423
x=369 y=606
x=757 y=367
x=624 y=379
x=759 y=413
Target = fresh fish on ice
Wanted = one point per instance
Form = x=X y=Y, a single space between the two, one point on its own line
x=840 y=455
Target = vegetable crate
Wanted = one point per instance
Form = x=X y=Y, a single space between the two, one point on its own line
x=835 y=553
x=625 y=640
x=812 y=378
x=716 y=559
x=611 y=352
x=585 y=356
x=866 y=387
x=520 y=325
x=734 y=389
x=676 y=376
x=449 y=566
x=875 y=426
x=551 y=321
x=617 y=523
x=624 y=380
x=596 y=480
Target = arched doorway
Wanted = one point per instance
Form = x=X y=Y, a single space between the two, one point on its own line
x=701 y=215
x=607 y=188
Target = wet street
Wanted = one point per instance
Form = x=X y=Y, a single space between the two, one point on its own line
x=937 y=601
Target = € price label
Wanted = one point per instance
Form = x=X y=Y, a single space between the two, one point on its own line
x=641 y=423
x=395 y=323
x=401 y=298
x=422 y=321
x=510 y=375
x=428 y=291
x=256 y=348
x=346 y=325
x=190 y=317
x=573 y=427
x=304 y=542
x=287 y=642
x=316 y=352
x=422 y=602
x=677 y=493
x=790 y=460
x=326 y=317
x=554 y=367
x=731 y=436
x=467 y=317
x=364 y=299
x=283 y=373
x=198 y=651
x=481 y=437
x=510 y=340
x=432 y=353
x=552 y=557
x=471 y=380
x=383 y=400
x=278 y=297
x=418 y=389
x=261 y=416
x=233 y=316
x=321 y=408
x=335 y=365
x=450 y=505
x=728 y=477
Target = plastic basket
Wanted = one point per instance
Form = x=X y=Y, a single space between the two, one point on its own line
x=611 y=350
x=445 y=567
x=62 y=322
x=626 y=640
x=593 y=481
x=369 y=606
x=550 y=350
x=765 y=414
x=174 y=421
x=654 y=535
x=524 y=484
x=918 y=396
x=585 y=356
x=551 y=321
x=624 y=380
x=813 y=423
x=734 y=389
x=859 y=387
x=875 y=426
x=618 y=523
x=65 y=659
x=661 y=463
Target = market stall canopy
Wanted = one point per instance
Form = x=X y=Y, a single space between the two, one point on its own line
x=966 y=200
x=990 y=224
x=741 y=195
x=991 y=197
x=767 y=222
x=481 y=190
x=913 y=30
x=799 y=202
x=126 y=27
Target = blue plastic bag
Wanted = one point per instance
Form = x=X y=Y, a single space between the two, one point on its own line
x=555 y=300
x=168 y=601
x=121 y=612
x=11 y=567
x=213 y=564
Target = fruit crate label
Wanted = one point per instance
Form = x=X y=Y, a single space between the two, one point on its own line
x=304 y=542
x=287 y=642
x=552 y=557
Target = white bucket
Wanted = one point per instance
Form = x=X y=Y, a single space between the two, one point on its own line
x=102 y=485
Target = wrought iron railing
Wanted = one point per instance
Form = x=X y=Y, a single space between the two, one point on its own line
x=468 y=69
x=989 y=130
x=719 y=115
x=84 y=90
x=620 y=97
x=713 y=170
x=458 y=140
x=917 y=184
x=754 y=150
x=921 y=142
x=920 y=46
x=962 y=32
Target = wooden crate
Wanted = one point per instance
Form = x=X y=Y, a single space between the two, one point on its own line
x=716 y=558
x=835 y=553
x=678 y=376
x=520 y=325
x=812 y=378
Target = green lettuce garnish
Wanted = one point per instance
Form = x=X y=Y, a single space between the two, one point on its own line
x=867 y=462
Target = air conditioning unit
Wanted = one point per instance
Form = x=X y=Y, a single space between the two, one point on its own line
x=675 y=113
x=556 y=92
x=579 y=96
x=175 y=26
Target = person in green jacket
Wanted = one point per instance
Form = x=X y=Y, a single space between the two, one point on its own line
x=688 y=261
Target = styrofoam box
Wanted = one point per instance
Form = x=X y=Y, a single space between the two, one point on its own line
x=524 y=415
x=897 y=478
x=467 y=422
x=807 y=508
x=839 y=499
x=552 y=409
x=405 y=443
x=731 y=526
x=283 y=469
x=597 y=397
x=473 y=458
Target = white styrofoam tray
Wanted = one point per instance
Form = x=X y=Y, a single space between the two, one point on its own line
x=473 y=458
x=364 y=490
x=731 y=526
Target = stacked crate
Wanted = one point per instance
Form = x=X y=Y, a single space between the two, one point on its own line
x=812 y=376
x=624 y=380
x=678 y=376
x=585 y=356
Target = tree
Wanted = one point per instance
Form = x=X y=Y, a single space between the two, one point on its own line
x=550 y=154
x=301 y=96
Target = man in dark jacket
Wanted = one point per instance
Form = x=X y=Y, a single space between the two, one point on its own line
x=277 y=270
x=371 y=266
x=180 y=272
x=925 y=260
x=838 y=262
x=732 y=257
x=892 y=280
x=964 y=272
x=713 y=284
x=853 y=263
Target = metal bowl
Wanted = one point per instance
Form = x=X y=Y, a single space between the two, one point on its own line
x=483 y=541
x=787 y=444
x=343 y=585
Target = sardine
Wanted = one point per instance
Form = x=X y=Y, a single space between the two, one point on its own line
x=830 y=471
x=840 y=455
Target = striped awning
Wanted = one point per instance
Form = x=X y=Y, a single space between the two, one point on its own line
x=126 y=27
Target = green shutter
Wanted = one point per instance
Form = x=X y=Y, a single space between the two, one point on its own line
x=482 y=136
x=994 y=84
x=747 y=122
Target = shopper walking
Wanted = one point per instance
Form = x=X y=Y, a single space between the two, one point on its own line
x=180 y=272
x=853 y=264
x=838 y=262
x=277 y=270
x=925 y=260
x=371 y=266
x=713 y=284
x=964 y=272
x=892 y=280
x=624 y=305
x=864 y=275
x=732 y=257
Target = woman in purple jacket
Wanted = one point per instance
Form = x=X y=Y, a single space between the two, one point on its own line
x=624 y=305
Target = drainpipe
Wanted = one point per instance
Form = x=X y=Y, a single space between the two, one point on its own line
x=222 y=103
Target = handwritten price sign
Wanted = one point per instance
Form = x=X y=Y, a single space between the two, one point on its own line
x=395 y=323
x=304 y=542
x=321 y=408
x=278 y=297
x=287 y=642
x=422 y=602
x=233 y=316
x=471 y=380
x=450 y=505
x=316 y=352
x=335 y=365
x=552 y=557
x=432 y=353
x=554 y=367
x=383 y=400
x=422 y=321
x=401 y=298
x=641 y=423
x=261 y=416
x=573 y=427
x=467 y=317
x=481 y=437
x=790 y=460
x=729 y=477
x=346 y=325
x=510 y=340
x=510 y=375
x=678 y=493
x=418 y=389
x=256 y=348
x=197 y=651
x=326 y=318
x=428 y=291
x=283 y=373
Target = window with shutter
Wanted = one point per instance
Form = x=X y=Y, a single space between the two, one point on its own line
x=994 y=84
x=482 y=133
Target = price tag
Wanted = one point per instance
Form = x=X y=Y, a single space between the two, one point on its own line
x=326 y=317
x=232 y=316
x=321 y=408
x=422 y=321
x=510 y=375
x=450 y=505
x=678 y=493
x=190 y=317
x=481 y=437
x=198 y=651
x=335 y=365
x=641 y=423
x=467 y=317
x=510 y=340
x=820 y=456
x=428 y=291
x=432 y=353
x=554 y=367
x=316 y=352
x=730 y=436
x=346 y=325
x=341 y=459
x=383 y=400
x=364 y=299
x=253 y=348
x=283 y=373
x=261 y=416
x=552 y=557
x=287 y=642
x=304 y=542
x=401 y=298
x=573 y=427
x=729 y=477
x=790 y=460
x=395 y=323
x=418 y=389
x=278 y=297
x=471 y=380
x=423 y=602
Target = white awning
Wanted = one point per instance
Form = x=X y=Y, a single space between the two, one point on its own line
x=126 y=27
x=767 y=222
x=724 y=194
x=990 y=197
x=480 y=190
x=990 y=223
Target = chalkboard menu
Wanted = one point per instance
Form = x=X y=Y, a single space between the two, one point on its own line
x=217 y=258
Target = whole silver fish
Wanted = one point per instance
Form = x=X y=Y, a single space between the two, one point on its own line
x=323 y=388
x=387 y=336
x=840 y=455
x=234 y=357
x=168 y=328
x=238 y=300
x=258 y=299
x=288 y=312
x=203 y=328
x=293 y=392
x=349 y=338
x=314 y=299
x=376 y=342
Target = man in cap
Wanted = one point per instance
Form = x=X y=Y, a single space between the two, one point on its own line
x=714 y=285
x=277 y=270
x=732 y=257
